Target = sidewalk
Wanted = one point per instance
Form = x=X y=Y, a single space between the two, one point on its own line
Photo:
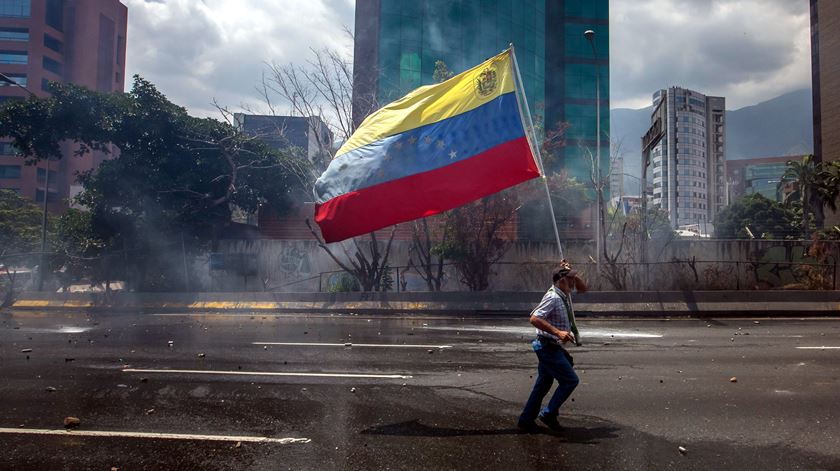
x=593 y=304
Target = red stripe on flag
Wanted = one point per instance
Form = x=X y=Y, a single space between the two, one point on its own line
x=428 y=193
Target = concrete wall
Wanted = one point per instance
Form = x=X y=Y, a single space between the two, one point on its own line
x=302 y=266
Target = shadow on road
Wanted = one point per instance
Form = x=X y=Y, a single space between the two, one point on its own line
x=413 y=428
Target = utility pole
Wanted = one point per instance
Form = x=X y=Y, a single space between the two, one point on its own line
x=590 y=36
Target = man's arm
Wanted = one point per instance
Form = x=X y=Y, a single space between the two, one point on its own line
x=580 y=286
x=544 y=325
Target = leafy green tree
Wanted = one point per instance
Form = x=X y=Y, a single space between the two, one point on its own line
x=20 y=224
x=20 y=236
x=816 y=186
x=172 y=175
x=766 y=219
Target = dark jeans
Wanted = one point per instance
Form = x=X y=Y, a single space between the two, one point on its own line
x=554 y=365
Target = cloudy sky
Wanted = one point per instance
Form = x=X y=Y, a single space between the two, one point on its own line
x=746 y=50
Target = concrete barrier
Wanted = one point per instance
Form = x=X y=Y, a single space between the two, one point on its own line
x=600 y=304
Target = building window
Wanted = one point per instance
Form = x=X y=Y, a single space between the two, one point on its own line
x=53 y=43
x=6 y=148
x=16 y=8
x=52 y=66
x=120 y=50
x=42 y=174
x=19 y=79
x=14 y=57
x=39 y=196
x=55 y=14
x=14 y=34
x=10 y=172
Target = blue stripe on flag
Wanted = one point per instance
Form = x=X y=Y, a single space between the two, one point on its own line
x=423 y=149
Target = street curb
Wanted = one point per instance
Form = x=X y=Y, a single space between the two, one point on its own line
x=699 y=304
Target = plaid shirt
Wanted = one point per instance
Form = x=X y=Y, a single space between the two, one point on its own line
x=553 y=308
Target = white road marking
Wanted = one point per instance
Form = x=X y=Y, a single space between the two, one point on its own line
x=313 y=344
x=584 y=332
x=61 y=330
x=267 y=373
x=818 y=348
x=161 y=436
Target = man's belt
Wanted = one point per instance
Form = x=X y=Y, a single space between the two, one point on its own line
x=548 y=340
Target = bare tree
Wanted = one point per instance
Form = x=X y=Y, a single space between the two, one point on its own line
x=423 y=257
x=320 y=90
x=369 y=266
x=474 y=240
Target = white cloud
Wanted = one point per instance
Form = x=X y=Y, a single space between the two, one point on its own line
x=197 y=51
x=745 y=50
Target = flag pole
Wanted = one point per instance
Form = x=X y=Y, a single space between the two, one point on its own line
x=535 y=148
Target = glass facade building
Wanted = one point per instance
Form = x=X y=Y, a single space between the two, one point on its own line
x=764 y=179
x=398 y=44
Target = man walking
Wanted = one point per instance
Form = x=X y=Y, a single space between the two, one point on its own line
x=554 y=320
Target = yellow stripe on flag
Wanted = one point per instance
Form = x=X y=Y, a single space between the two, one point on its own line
x=432 y=103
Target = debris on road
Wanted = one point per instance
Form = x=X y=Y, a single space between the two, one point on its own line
x=682 y=450
x=348 y=344
x=171 y=342
x=238 y=445
x=150 y=412
x=71 y=422
x=352 y=390
x=26 y=350
x=201 y=355
x=144 y=380
x=51 y=389
x=733 y=380
x=68 y=360
x=122 y=385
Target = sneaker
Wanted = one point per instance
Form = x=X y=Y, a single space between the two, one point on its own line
x=551 y=422
x=529 y=427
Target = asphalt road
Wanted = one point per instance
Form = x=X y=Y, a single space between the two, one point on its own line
x=410 y=392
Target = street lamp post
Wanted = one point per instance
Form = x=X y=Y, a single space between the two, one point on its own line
x=5 y=79
x=590 y=36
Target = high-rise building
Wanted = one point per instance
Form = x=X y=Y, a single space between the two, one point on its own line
x=66 y=41
x=825 y=76
x=398 y=43
x=689 y=164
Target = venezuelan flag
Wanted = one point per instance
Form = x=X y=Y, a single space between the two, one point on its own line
x=439 y=147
